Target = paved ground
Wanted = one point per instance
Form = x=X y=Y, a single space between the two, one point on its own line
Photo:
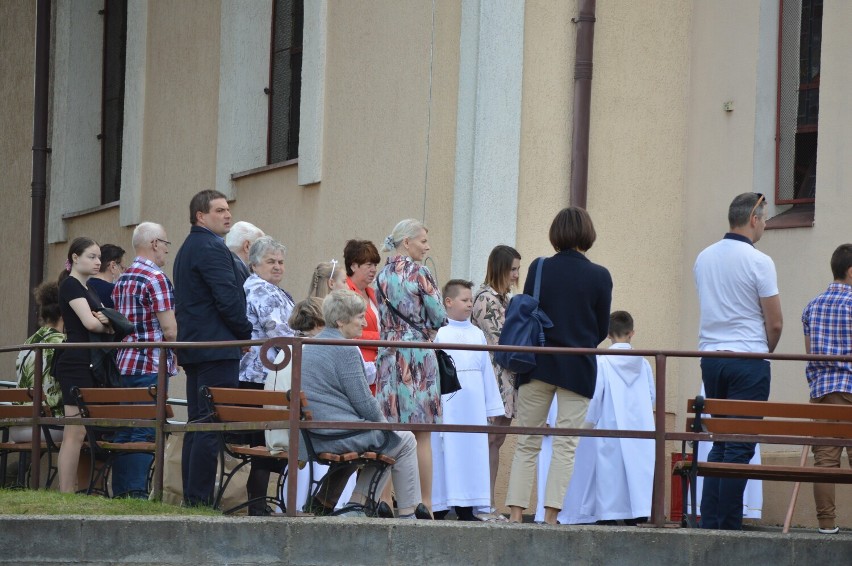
x=340 y=541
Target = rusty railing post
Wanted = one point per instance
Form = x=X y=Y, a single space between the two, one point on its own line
x=159 y=431
x=35 y=457
x=658 y=503
x=295 y=414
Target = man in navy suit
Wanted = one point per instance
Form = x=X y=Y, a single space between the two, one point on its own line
x=210 y=306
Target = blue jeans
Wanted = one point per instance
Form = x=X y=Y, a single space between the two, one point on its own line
x=746 y=379
x=130 y=471
x=201 y=449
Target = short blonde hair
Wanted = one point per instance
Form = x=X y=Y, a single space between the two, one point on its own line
x=341 y=305
x=408 y=228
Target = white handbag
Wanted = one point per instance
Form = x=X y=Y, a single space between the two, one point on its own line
x=278 y=441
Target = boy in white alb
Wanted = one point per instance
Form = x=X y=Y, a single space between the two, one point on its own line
x=460 y=471
x=613 y=477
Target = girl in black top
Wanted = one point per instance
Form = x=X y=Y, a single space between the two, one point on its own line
x=77 y=305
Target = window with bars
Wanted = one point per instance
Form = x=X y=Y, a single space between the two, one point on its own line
x=285 y=80
x=798 y=100
x=112 y=97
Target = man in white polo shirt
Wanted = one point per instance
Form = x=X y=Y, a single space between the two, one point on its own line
x=740 y=312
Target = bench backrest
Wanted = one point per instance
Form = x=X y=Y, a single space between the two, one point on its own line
x=252 y=405
x=726 y=416
x=20 y=404
x=115 y=403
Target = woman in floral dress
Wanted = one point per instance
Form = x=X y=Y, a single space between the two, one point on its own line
x=489 y=314
x=407 y=383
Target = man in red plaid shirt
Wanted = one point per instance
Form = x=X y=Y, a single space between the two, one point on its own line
x=146 y=297
x=827 y=322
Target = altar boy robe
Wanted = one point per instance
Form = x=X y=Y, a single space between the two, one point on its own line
x=617 y=475
x=460 y=471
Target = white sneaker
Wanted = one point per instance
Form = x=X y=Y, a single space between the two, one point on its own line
x=352 y=510
x=832 y=531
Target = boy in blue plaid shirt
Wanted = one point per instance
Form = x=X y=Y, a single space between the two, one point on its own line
x=827 y=322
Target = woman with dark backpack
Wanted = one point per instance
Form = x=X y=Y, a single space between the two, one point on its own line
x=576 y=295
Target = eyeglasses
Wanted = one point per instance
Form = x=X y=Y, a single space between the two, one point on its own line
x=168 y=243
x=760 y=198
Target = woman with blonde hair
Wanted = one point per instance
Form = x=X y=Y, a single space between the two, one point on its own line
x=410 y=310
x=327 y=277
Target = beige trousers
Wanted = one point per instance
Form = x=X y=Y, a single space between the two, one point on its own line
x=534 y=399
x=828 y=457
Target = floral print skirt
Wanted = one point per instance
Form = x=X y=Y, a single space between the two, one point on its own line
x=407 y=385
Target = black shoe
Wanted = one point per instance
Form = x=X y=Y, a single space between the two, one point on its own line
x=384 y=511
x=440 y=515
x=608 y=523
x=421 y=512
x=261 y=510
x=466 y=514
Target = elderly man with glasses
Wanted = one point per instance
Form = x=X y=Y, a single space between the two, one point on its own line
x=740 y=312
x=146 y=297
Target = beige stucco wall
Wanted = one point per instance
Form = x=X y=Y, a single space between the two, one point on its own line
x=180 y=127
x=637 y=149
x=721 y=162
x=380 y=142
x=17 y=58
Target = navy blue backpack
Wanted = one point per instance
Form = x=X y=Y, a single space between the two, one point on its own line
x=524 y=326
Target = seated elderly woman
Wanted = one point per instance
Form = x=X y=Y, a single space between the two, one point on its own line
x=333 y=381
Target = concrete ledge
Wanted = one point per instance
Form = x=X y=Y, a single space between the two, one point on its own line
x=334 y=541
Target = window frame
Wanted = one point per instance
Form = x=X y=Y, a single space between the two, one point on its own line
x=800 y=129
x=295 y=86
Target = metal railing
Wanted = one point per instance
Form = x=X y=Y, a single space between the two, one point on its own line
x=660 y=435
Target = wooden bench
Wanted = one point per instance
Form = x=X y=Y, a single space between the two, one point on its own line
x=802 y=424
x=136 y=403
x=325 y=491
x=15 y=405
x=228 y=405
x=263 y=407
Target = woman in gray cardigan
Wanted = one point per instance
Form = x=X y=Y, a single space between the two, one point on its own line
x=336 y=388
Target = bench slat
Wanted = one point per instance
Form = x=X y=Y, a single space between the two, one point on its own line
x=15 y=395
x=717 y=407
x=16 y=411
x=234 y=414
x=142 y=412
x=770 y=473
x=257 y=452
x=230 y=396
x=777 y=427
x=118 y=395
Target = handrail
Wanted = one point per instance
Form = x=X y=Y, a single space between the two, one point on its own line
x=660 y=435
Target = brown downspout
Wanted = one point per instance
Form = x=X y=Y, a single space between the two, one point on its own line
x=40 y=151
x=582 y=103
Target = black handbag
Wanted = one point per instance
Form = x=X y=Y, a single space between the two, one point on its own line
x=120 y=325
x=447 y=371
x=449 y=377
